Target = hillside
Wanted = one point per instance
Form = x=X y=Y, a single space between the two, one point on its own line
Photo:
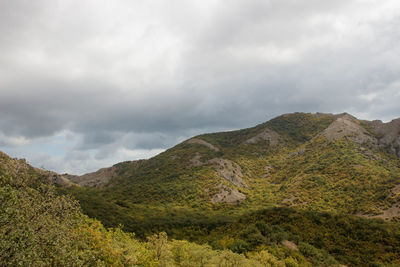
x=319 y=163
x=39 y=227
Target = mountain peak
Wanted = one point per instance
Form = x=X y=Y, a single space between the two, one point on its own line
x=347 y=125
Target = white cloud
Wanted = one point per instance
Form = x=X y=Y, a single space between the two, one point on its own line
x=13 y=141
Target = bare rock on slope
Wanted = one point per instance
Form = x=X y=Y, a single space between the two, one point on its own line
x=388 y=134
x=195 y=161
x=265 y=135
x=228 y=195
x=94 y=179
x=377 y=133
x=202 y=142
x=396 y=190
x=58 y=179
x=226 y=169
x=347 y=125
x=290 y=245
x=390 y=213
x=229 y=170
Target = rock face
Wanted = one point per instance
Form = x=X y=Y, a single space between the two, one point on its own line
x=59 y=179
x=388 y=134
x=347 y=125
x=267 y=135
x=229 y=170
x=376 y=133
x=226 y=169
x=94 y=179
x=228 y=195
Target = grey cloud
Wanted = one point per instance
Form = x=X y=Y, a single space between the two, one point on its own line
x=122 y=75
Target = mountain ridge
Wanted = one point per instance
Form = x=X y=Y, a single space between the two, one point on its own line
x=376 y=132
x=326 y=184
x=302 y=160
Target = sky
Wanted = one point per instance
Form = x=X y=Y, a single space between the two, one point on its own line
x=87 y=84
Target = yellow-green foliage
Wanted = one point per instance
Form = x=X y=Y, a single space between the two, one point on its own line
x=338 y=176
x=303 y=171
x=324 y=183
x=320 y=237
x=41 y=228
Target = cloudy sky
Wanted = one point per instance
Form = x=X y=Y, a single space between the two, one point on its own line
x=86 y=84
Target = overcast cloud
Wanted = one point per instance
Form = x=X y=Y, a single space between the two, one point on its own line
x=86 y=84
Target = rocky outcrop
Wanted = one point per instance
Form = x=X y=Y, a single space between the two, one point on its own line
x=376 y=133
x=390 y=213
x=348 y=126
x=266 y=135
x=228 y=195
x=229 y=170
x=195 y=161
x=387 y=134
x=290 y=245
x=58 y=179
x=94 y=179
x=225 y=168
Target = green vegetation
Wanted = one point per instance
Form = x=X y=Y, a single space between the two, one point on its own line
x=305 y=202
x=351 y=240
x=40 y=228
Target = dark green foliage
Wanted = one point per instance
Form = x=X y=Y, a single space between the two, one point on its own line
x=351 y=240
x=323 y=183
x=300 y=127
x=41 y=228
x=239 y=246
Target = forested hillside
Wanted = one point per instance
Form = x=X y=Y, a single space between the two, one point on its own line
x=335 y=176
x=39 y=227
x=299 y=190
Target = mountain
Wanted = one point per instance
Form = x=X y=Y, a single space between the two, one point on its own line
x=298 y=190
x=330 y=168
x=39 y=227
x=306 y=160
